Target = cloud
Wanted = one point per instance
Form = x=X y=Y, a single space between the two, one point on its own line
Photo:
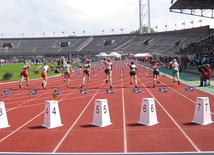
x=92 y=16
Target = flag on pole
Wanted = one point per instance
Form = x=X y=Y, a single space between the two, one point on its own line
x=192 y=22
x=83 y=31
x=121 y=29
x=156 y=27
x=112 y=29
x=183 y=23
x=200 y=21
x=165 y=26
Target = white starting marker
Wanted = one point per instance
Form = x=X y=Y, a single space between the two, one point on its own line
x=3 y=116
x=52 y=118
x=202 y=113
x=148 y=114
x=101 y=113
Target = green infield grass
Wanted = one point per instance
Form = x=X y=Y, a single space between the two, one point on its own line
x=16 y=68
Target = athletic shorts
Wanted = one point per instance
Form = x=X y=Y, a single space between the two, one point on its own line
x=86 y=71
x=43 y=74
x=24 y=73
x=132 y=73
x=156 y=72
x=107 y=70
x=175 y=70
x=66 y=72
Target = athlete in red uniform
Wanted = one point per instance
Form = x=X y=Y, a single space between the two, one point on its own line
x=24 y=74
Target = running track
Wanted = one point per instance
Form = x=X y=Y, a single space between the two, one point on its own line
x=175 y=131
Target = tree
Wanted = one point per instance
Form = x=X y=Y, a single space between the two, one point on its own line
x=145 y=30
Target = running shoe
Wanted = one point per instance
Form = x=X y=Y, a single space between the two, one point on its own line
x=178 y=82
x=153 y=86
x=43 y=85
x=106 y=81
x=20 y=86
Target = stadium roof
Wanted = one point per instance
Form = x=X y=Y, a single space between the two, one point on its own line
x=194 y=7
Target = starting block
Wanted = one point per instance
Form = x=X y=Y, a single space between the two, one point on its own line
x=57 y=92
x=33 y=91
x=162 y=90
x=137 y=90
x=6 y=92
x=83 y=91
x=189 y=89
x=109 y=91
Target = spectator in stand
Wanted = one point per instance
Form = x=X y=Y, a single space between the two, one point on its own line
x=205 y=75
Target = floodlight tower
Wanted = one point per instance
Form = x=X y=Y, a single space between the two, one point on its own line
x=144 y=15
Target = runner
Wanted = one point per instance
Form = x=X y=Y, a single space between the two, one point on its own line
x=45 y=69
x=156 y=74
x=108 y=71
x=175 y=70
x=66 y=73
x=24 y=74
x=86 y=73
x=133 y=73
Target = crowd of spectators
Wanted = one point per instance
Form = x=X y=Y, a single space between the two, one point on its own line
x=203 y=51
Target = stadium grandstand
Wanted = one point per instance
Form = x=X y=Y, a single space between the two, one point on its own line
x=163 y=42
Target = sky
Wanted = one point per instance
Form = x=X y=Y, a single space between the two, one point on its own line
x=59 y=18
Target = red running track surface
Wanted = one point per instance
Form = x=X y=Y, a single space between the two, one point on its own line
x=175 y=131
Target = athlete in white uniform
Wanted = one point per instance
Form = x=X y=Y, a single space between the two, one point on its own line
x=86 y=73
x=108 y=71
x=175 y=70
x=66 y=73
x=133 y=73
x=45 y=69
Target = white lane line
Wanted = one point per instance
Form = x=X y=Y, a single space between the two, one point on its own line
x=20 y=127
x=69 y=130
x=124 y=119
x=173 y=120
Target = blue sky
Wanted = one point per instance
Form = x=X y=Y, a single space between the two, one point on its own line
x=48 y=18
